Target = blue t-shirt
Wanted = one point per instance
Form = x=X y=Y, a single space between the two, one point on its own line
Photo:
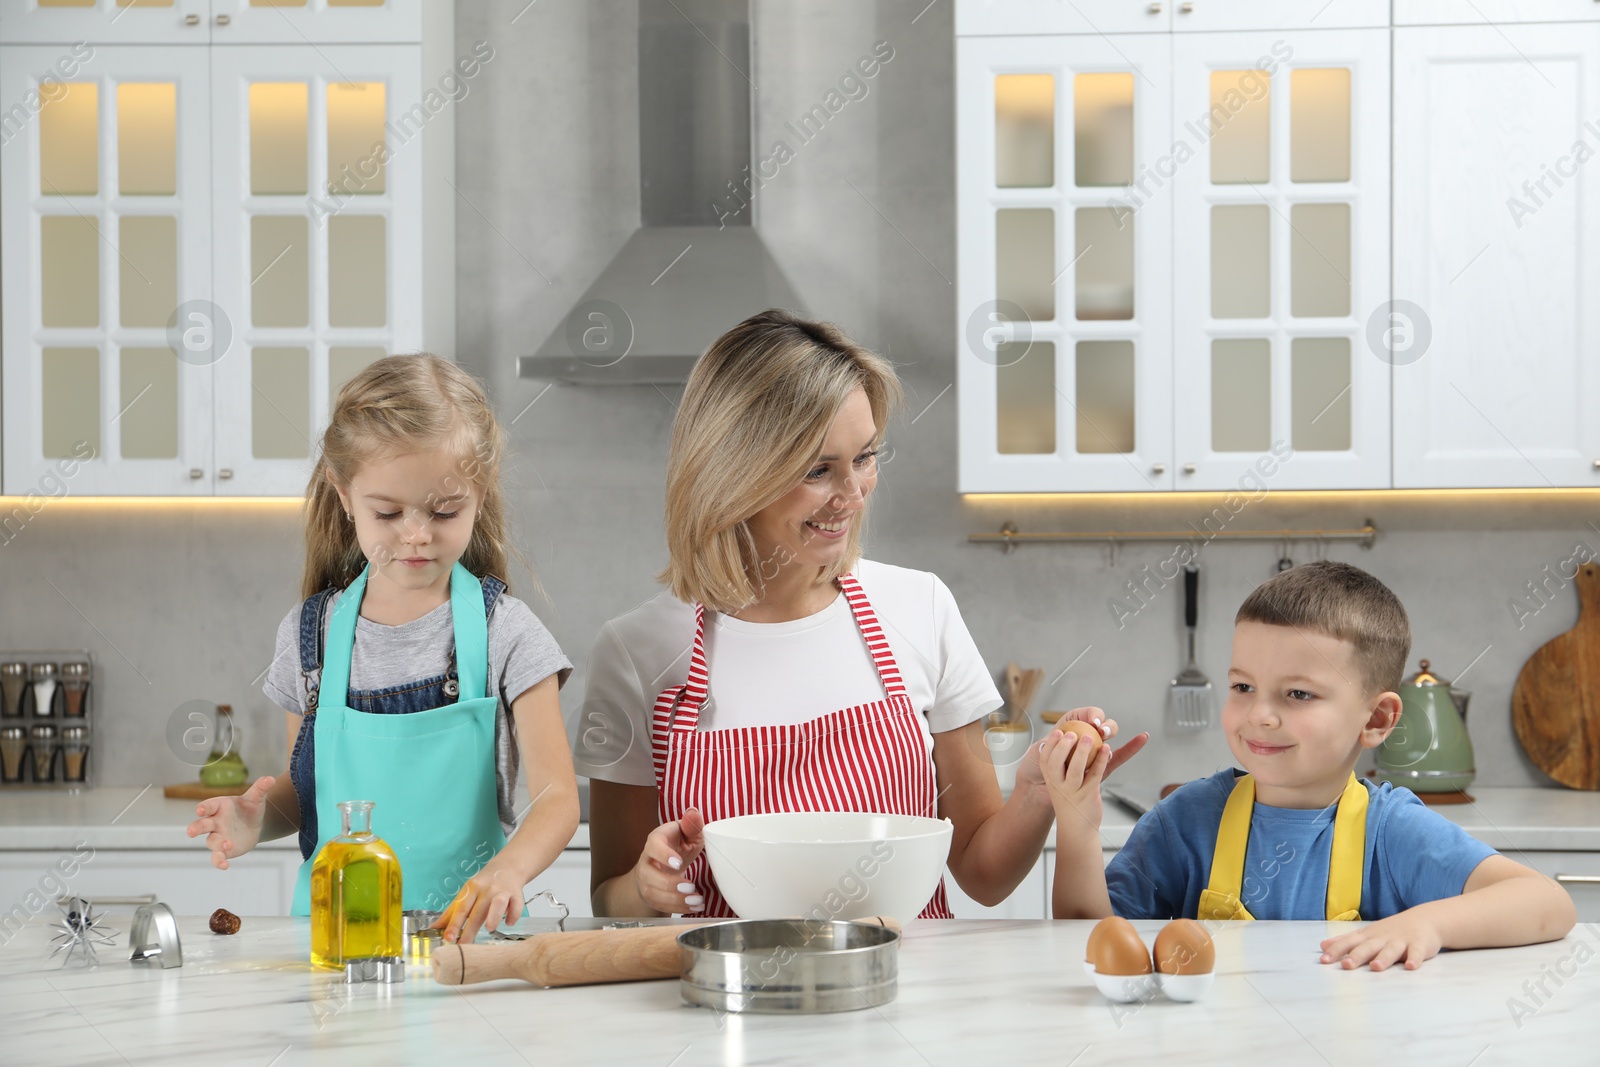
x=1413 y=855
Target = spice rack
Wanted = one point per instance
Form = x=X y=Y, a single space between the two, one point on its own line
x=46 y=719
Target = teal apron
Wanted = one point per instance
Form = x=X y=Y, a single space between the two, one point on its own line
x=430 y=774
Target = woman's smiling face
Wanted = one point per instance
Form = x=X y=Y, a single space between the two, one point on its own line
x=810 y=525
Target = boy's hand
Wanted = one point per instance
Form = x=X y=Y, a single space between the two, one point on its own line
x=490 y=897
x=1029 y=771
x=232 y=825
x=1072 y=779
x=1405 y=936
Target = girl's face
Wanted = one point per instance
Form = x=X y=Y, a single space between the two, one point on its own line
x=413 y=516
x=810 y=525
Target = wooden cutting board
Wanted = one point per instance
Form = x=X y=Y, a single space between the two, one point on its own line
x=1555 y=706
x=199 y=791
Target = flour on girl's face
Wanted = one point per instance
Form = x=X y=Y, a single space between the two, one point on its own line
x=413 y=517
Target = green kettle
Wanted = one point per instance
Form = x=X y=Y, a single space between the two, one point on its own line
x=1429 y=750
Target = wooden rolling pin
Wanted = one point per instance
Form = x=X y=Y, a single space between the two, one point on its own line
x=575 y=957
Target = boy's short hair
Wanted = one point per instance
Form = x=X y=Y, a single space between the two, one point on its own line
x=1341 y=601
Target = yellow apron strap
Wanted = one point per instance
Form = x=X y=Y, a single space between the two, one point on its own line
x=1220 y=899
x=1349 y=850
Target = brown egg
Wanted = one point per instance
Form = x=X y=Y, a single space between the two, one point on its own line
x=1073 y=726
x=1184 y=947
x=1118 y=948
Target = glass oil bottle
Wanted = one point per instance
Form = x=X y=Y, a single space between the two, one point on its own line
x=355 y=894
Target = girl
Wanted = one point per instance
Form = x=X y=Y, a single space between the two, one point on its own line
x=720 y=696
x=408 y=676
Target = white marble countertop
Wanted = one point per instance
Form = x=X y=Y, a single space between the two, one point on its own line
x=969 y=991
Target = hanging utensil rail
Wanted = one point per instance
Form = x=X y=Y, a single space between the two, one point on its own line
x=1010 y=537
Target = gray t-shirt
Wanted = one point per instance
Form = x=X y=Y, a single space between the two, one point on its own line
x=521 y=654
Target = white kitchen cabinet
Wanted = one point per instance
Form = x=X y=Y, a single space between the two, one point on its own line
x=1202 y=16
x=258 y=883
x=200 y=22
x=201 y=246
x=1496 y=251
x=1030 y=900
x=1489 y=13
x=1281 y=255
x=1000 y=18
x=1577 y=872
x=1063 y=279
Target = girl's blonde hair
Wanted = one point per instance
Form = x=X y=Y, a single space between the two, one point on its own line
x=395 y=406
x=754 y=417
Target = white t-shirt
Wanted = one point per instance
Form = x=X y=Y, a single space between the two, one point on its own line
x=777 y=674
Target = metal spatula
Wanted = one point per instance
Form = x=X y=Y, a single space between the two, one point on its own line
x=1190 y=696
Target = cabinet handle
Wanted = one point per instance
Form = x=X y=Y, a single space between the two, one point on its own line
x=195 y=473
x=1155 y=9
x=223 y=20
x=1579 y=879
x=225 y=473
x=1158 y=468
x=191 y=20
x=114 y=902
x=1185 y=8
x=1597 y=462
x=1188 y=468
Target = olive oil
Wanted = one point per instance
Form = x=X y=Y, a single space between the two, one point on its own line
x=355 y=894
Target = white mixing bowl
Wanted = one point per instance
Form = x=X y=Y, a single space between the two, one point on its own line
x=828 y=865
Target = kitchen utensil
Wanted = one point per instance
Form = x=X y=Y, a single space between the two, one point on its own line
x=201 y=791
x=574 y=957
x=75 y=689
x=845 y=865
x=44 y=744
x=784 y=966
x=75 y=755
x=385 y=970
x=13 y=680
x=44 y=677
x=1134 y=807
x=13 y=748
x=1189 y=699
x=80 y=932
x=154 y=936
x=1555 y=705
x=1013 y=686
x=1428 y=751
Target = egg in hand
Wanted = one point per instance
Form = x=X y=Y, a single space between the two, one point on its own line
x=1072 y=728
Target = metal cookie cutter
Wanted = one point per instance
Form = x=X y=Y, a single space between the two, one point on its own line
x=154 y=936
x=388 y=970
x=549 y=898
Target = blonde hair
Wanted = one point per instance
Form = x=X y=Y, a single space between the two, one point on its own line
x=1341 y=601
x=755 y=414
x=396 y=406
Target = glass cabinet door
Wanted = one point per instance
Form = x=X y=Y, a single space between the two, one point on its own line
x=107 y=219
x=96 y=22
x=318 y=190
x=1064 y=227
x=1280 y=259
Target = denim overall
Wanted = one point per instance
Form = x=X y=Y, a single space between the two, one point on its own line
x=398 y=763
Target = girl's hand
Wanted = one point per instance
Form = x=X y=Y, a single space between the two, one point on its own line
x=1028 y=771
x=232 y=825
x=668 y=851
x=1072 y=778
x=1400 y=937
x=490 y=897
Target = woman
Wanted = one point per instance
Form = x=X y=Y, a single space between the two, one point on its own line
x=779 y=671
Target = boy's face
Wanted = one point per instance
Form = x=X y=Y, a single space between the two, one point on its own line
x=1298 y=713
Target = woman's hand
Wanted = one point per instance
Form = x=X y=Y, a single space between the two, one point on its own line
x=489 y=898
x=1028 y=769
x=668 y=851
x=232 y=825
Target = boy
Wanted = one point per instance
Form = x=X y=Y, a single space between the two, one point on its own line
x=1317 y=654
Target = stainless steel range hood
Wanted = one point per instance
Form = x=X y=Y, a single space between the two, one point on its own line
x=696 y=265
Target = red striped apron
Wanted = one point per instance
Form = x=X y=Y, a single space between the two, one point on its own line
x=871 y=757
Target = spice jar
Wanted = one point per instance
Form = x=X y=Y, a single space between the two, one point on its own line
x=75 y=754
x=44 y=753
x=13 y=747
x=44 y=689
x=75 y=689
x=13 y=680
